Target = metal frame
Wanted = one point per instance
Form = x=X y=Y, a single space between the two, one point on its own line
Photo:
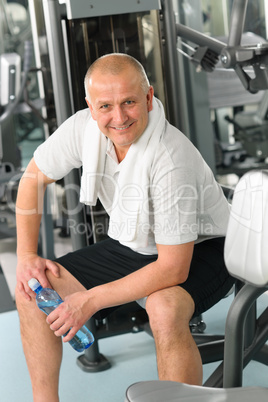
x=244 y=340
x=63 y=104
x=97 y=8
x=192 y=99
x=234 y=55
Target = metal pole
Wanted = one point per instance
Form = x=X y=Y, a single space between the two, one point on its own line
x=237 y=22
x=57 y=60
x=62 y=98
x=235 y=335
x=199 y=38
x=47 y=236
x=171 y=65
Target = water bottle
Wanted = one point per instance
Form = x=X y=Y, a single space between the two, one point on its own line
x=48 y=300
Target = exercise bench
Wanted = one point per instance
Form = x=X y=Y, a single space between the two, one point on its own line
x=246 y=259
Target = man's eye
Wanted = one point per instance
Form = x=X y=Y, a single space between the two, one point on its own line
x=104 y=106
x=129 y=102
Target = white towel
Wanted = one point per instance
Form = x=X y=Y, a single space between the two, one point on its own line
x=94 y=154
x=129 y=218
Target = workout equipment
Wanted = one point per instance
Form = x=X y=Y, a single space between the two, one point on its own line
x=246 y=259
x=233 y=54
x=156 y=391
x=20 y=102
x=77 y=34
x=228 y=63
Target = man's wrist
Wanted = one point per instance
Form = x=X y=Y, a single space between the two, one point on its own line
x=94 y=299
x=26 y=254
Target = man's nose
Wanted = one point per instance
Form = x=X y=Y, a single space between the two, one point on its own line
x=119 y=115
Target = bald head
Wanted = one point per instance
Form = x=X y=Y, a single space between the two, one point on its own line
x=116 y=63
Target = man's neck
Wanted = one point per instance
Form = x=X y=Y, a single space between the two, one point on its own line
x=121 y=152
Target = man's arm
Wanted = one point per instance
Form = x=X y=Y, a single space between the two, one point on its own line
x=170 y=269
x=29 y=209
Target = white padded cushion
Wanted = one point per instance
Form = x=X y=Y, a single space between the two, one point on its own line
x=168 y=391
x=246 y=245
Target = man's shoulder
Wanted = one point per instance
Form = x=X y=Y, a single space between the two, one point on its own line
x=176 y=147
x=78 y=120
x=173 y=136
x=83 y=114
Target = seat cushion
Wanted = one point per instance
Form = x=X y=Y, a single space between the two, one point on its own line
x=245 y=251
x=169 y=391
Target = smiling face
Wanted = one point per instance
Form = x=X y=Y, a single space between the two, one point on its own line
x=120 y=105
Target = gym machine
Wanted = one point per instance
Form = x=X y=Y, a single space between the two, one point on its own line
x=20 y=102
x=248 y=62
x=77 y=34
x=239 y=57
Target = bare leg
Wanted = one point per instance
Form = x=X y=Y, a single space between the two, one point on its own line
x=42 y=349
x=178 y=358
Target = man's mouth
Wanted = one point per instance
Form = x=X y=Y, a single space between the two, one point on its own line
x=122 y=128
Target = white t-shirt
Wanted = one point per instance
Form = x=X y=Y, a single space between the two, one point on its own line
x=185 y=202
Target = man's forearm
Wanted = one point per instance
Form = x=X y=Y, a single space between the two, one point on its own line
x=167 y=271
x=29 y=207
x=130 y=288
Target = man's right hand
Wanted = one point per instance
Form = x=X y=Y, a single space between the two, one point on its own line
x=32 y=266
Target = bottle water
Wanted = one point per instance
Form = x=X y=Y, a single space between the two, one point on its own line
x=48 y=300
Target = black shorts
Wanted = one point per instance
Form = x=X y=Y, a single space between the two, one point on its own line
x=108 y=260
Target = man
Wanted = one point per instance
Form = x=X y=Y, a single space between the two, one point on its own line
x=168 y=219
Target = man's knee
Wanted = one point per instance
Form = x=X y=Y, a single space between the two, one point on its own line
x=19 y=298
x=169 y=309
x=26 y=308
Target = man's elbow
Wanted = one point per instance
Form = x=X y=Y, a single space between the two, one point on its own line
x=181 y=276
x=175 y=262
x=176 y=275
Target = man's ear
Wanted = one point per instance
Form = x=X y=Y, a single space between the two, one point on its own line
x=150 y=96
x=91 y=109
